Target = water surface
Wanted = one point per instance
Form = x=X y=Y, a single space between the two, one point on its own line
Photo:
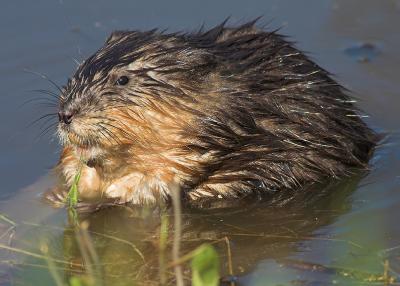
x=343 y=236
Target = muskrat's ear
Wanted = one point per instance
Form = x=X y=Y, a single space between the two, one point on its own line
x=116 y=35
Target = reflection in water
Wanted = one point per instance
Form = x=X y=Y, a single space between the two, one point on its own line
x=256 y=230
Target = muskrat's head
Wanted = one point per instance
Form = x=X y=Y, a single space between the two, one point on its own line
x=135 y=90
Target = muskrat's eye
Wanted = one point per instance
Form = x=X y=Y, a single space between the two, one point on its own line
x=122 y=80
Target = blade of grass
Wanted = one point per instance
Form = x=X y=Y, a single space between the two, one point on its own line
x=6 y=219
x=51 y=265
x=163 y=247
x=134 y=247
x=176 y=203
x=89 y=254
x=229 y=252
x=73 y=194
x=36 y=255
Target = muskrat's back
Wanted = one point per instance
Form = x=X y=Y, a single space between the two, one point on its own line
x=220 y=114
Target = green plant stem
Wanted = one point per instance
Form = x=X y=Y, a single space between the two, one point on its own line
x=163 y=246
x=176 y=202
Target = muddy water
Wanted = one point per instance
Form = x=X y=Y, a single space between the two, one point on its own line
x=341 y=237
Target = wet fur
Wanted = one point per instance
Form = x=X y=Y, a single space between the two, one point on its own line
x=219 y=114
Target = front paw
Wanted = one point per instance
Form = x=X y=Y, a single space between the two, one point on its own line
x=122 y=189
x=56 y=197
x=138 y=189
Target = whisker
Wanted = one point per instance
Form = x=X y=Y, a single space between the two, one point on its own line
x=40 y=99
x=47 y=92
x=107 y=137
x=46 y=78
x=111 y=134
x=45 y=131
x=101 y=131
x=50 y=105
x=129 y=136
x=40 y=118
x=45 y=122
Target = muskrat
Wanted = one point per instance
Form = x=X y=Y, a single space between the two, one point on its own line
x=221 y=114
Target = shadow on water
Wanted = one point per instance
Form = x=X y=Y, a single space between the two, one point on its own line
x=126 y=239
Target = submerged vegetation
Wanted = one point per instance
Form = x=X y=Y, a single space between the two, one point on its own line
x=204 y=259
x=140 y=246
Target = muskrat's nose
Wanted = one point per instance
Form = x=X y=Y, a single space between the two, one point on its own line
x=65 y=116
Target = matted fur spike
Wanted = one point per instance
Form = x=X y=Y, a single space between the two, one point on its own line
x=213 y=33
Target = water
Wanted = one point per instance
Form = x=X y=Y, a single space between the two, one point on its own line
x=341 y=237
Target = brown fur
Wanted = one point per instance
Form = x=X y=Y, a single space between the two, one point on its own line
x=221 y=114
